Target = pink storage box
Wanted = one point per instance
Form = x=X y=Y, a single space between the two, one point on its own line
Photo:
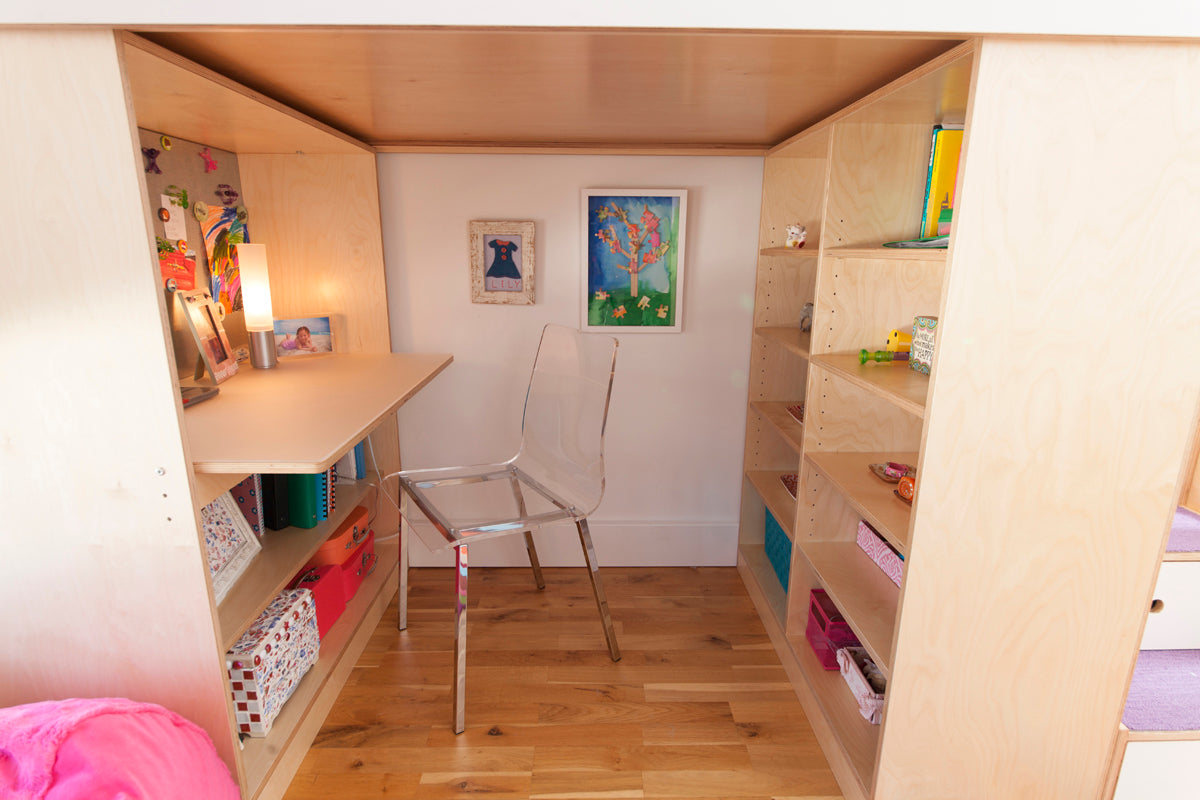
x=267 y=663
x=883 y=556
x=827 y=630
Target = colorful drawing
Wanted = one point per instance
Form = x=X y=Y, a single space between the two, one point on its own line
x=633 y=249
x=223 y=227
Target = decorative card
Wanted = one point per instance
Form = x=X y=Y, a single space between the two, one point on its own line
x=923 y=340
x=229 y=543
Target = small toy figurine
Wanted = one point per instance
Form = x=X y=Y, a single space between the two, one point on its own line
x=796 y=236
x=151 y=154
x=898 y=341
x=806 y=315
x=880 y=355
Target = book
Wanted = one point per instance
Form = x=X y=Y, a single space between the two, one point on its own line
x=939 y=191
x=353 y=465
x=249 y=497
x=275 y=501
x=310 y=497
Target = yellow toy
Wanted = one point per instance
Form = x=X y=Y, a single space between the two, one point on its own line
x=898 y=341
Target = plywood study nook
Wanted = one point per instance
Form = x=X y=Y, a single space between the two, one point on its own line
x=1053 y=439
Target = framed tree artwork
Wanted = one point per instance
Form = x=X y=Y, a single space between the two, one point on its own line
x=633 y=254
x=501 y=262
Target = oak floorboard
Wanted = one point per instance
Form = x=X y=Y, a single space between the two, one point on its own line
x=698 y=707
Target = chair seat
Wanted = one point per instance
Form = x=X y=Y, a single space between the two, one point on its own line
x=479 y=502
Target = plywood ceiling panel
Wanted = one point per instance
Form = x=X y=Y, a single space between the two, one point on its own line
x=557 y=87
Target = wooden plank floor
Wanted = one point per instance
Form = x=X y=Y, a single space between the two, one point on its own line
x=698 y=707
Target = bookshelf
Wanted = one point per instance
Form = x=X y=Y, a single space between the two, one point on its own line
x=1015 y=541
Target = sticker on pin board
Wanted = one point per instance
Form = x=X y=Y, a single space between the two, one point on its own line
x=223 y=228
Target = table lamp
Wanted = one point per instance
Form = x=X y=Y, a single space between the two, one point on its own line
x=256 y=303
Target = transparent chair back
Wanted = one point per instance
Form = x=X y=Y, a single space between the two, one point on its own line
x=557 y=474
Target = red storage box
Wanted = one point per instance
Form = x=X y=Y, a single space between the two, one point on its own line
x=827 y=630
x=356 y=568
x=345 y=539
x=328 y=590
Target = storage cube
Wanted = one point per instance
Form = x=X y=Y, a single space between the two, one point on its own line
x=827 y=630
x=779 y=550
x=884 y=556
x=865 y=680
x=268 y=661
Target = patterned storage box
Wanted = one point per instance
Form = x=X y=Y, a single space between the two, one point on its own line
x=779 y=550
x=827 y=630
x=865 y=680
x=267 y=663
x=883 y=555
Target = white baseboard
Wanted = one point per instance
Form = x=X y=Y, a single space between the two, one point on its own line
x=618 y=544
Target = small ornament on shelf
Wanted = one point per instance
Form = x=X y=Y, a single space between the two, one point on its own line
x=923 y=340
x=806 y=318
x=797 y=411
x=797 y=235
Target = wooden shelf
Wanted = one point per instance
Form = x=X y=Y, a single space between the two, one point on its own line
x=764 y=575
x=874 y=499
x=334 y=400
x=893 y=382
x=795 y=340
x=879 y=252
x=788 y=427
x=811 y=249
x=866 y=597
x=856 y=737
x=283 y=553
x=339 y=650
x=779 y=501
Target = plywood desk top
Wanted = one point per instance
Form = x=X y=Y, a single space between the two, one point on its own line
x=303 y=414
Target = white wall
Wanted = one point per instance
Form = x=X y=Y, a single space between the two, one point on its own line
x=677 y=421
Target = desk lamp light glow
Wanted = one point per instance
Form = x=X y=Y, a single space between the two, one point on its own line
x=256 y=302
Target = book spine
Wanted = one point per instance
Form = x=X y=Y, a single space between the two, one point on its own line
x=302 y=503
x=275 y=502
x=928 y=181
x=360 y=461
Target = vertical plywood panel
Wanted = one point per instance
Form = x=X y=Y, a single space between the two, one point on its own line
x=1048 y=479
x=318 y=215
x=876 y=182
x=109 y=595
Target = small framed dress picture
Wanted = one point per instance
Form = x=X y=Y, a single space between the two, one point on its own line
x=501 y=262
x=633 y=242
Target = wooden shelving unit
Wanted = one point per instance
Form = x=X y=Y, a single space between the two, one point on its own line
x=1007 y=504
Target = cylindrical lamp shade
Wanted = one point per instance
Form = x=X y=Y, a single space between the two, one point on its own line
x=256 y=286
x=256 y=304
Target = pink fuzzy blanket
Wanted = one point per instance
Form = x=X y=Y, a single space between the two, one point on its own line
x=107 y=749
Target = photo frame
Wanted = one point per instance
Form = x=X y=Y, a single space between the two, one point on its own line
x=229 y=543
x=204 y=321
x=633 y=256
x=502 y=263
x=303 y=336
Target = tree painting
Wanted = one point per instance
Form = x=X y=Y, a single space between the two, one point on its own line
x=634 y=258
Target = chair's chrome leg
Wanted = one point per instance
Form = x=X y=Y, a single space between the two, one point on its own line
x=533 y=561
x=519 y=496
x=402 y=599
x=458 y=689
x=589 y=555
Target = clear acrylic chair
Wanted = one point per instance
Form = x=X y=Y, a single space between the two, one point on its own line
x=556 y=476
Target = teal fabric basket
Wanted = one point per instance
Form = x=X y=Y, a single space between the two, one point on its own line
x=779 y=550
